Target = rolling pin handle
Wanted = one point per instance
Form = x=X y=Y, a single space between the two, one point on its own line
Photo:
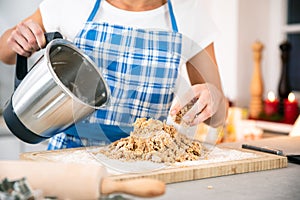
x=144 y=187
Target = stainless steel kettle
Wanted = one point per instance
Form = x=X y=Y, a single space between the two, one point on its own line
x=63 y=87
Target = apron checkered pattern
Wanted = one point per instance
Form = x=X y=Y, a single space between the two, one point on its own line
x=140 y=66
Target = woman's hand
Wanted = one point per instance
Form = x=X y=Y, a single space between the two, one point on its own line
x=26 y=38
x=210 y=106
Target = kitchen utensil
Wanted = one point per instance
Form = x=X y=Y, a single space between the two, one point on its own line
x=291 y=157
x=62 y=87
x=77 y=181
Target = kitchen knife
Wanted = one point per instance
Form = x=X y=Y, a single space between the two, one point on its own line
x=76 y=181
x=291 y=158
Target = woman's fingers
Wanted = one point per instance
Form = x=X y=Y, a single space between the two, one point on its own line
x=19 y=50
x=39 y=39
x=200 y=111
x=26 y=38
x=18 y=43
x=185 y=102
x=175 y=109
x=202 y=116
x=195 y=110
x=205 y=104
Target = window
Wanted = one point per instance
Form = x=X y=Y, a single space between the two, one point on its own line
x=292 y=30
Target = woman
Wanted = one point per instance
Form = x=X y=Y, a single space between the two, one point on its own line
x=140 y=47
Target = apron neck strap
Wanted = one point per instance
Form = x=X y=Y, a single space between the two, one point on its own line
x=94 y=11
x=172 y=17
x=171 y=13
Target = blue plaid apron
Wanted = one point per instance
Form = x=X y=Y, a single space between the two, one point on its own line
x=141 y=68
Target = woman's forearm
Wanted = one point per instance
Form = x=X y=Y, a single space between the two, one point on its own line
x=7 y=55
x=203 y=69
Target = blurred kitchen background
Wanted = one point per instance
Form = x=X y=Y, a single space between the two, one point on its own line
x=240 y=23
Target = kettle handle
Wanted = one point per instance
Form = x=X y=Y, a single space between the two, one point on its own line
x=21 y=63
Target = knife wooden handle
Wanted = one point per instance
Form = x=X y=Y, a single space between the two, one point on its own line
x=143 y=187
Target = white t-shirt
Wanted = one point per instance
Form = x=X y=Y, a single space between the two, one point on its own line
x=69 y=16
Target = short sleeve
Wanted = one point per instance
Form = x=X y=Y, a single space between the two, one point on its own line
x=65 y=16
x=194 y=21
x=50 y=12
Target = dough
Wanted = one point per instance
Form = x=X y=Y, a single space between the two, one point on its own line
x=153 y=140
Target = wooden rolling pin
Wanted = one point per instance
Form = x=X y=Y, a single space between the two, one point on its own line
x=76 y=181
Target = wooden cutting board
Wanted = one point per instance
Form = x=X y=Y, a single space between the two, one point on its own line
x=172 y=174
